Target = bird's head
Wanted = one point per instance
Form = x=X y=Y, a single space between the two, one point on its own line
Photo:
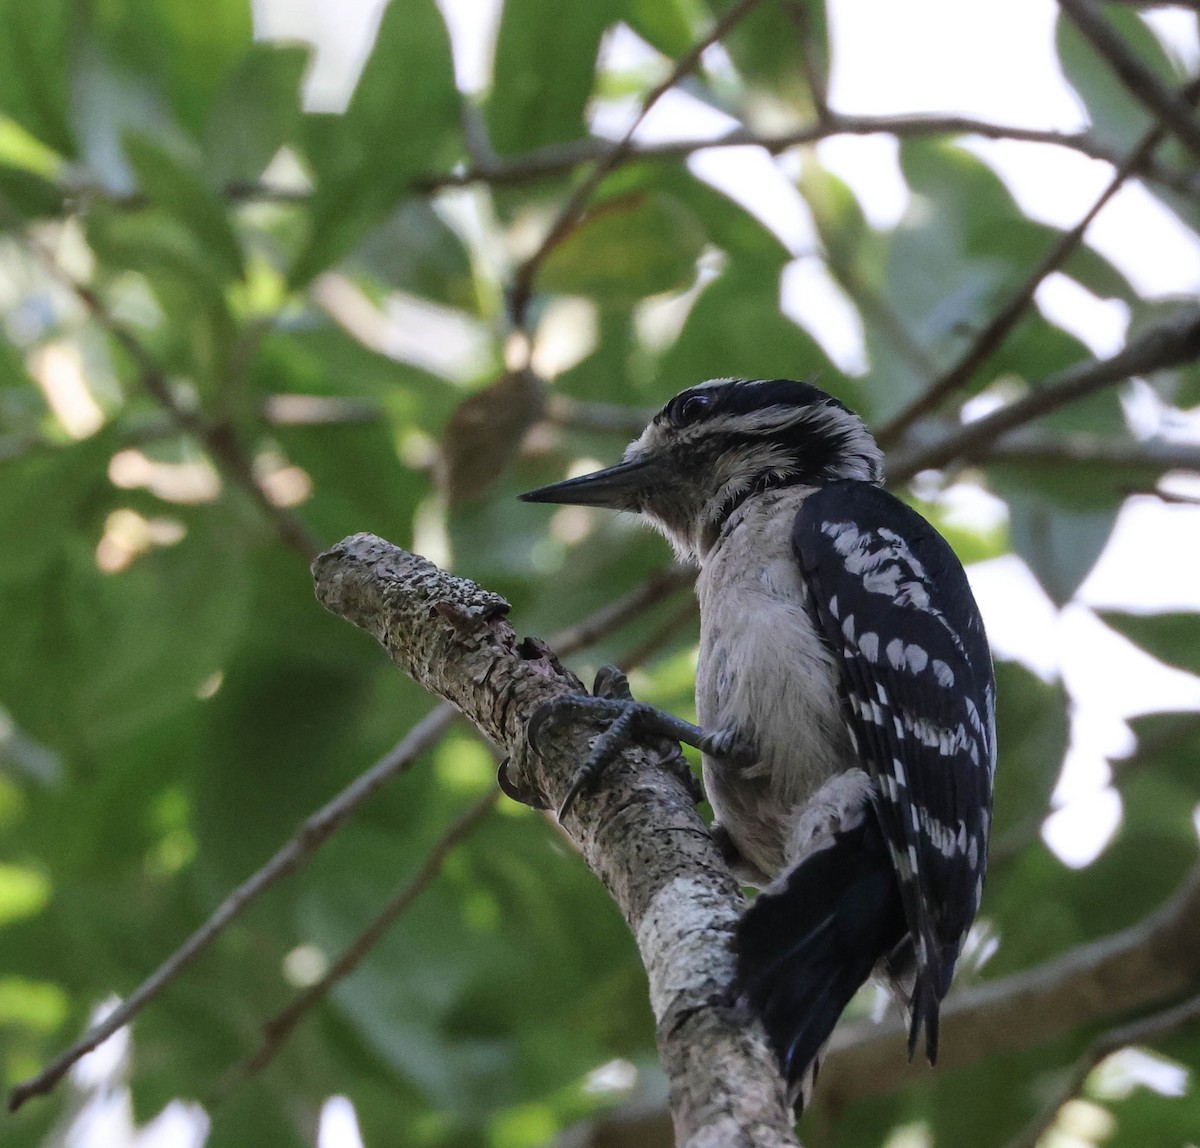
x=717 y=444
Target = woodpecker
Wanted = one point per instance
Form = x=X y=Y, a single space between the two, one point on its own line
x=845 y=697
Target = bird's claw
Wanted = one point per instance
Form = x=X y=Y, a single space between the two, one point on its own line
x=612 y=700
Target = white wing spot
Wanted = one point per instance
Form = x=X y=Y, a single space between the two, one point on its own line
x=943 y=673
x=868 y=645
x=912 y=658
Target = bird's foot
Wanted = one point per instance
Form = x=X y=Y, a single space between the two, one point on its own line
x=629 y=721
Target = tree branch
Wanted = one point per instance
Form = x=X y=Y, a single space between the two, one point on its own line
x=639 y=832
x=1144 y=965
x=1006 y=319
x=1169 y=344
x=296 y=852
x=557 y=159
x=1167 y=106
x=1091 y=449
x=1142 y=1031
x=315 y=830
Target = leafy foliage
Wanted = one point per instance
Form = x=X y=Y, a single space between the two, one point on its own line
x=231 y=323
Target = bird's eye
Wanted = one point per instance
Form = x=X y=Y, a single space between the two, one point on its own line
x=687 y=410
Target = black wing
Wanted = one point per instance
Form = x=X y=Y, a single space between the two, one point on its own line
x=893 y=602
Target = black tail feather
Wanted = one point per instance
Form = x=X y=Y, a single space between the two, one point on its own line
x=807 y=945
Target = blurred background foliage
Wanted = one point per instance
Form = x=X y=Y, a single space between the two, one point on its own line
x=237 y=326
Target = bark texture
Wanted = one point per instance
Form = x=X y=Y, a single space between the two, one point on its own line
x=638 y=831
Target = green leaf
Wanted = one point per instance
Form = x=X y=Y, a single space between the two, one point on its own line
x=768 y=44
x=31 y=195
x=1146 y=1117
x=839 y=219
x=116 y=677
x=1117 y=119
x=402 y=122
x=1060 y=517
x=1032 y=736
x=47 y=499
x=255 y=113
x=735 y=329
x=176 y=188
x=33 y=69
x=414 y=250
x=728 y=224
x=988 y=1103
x=1174 y=638
x=667 y=25
x=182 y=52
x=544 y=72
x=626 y=248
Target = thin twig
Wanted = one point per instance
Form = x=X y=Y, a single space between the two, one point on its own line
x=277 y=1030
x=317 y=829
x=1171 y=109
x=815 y=75
x=578 y=414
x=1169 y=344
x=1007 y=318
x=1097 y=449
x=1142 y=1031
x=297 y=851
x=658 y=585
x=556 y=159
x=572 y=211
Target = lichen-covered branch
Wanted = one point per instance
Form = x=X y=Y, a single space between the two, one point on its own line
x=638 y=832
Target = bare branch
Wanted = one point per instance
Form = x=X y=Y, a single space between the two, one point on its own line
x=682 y=619
x=296 y=852
x=572 y=211
x=1169 y=344
x=1142 y=1031
x=815 y=74
x=639 y=832
x=277 y=1030
x=576 y=414
x=1167 y=106
x=1084 y=448
x=1007 y=318
x=659 y=585
x=1140 y=967
x=557 y=159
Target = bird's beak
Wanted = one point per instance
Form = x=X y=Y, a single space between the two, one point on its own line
x=616 y=487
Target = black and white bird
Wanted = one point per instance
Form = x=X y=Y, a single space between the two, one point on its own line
x=845 y=697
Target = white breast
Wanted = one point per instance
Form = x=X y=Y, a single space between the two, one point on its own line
x=765 y=673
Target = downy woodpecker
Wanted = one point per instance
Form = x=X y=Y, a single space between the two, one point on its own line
x=845 y=697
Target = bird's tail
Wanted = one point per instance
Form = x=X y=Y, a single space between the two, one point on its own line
x=808 y=942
